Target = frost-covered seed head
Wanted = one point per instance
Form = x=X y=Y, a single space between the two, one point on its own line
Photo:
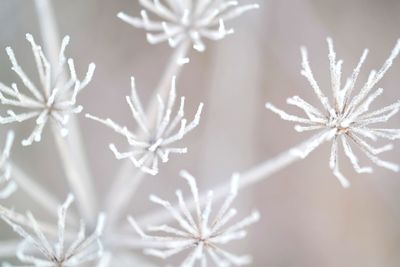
x=187 y=20
x=38 y=250
x=155 y=143
x=7 y=187
x=56 y=98
x=197 y=232
x=347 y=119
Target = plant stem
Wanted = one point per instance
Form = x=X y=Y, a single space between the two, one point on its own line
x=48 y=28
x=173 y=68
x=247 y=178
x=81 y=187
x=120 y=199
x=124 y=174
x=51 y=39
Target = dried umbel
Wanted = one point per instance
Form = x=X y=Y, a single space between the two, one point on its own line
x=348 y=119
x=198 y=233
x=56 y=98
x=155 y=142
x=7 y=187
x=36 y=249
x=192 y=20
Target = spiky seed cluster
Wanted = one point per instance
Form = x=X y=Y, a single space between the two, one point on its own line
x=197 y=232
x=348 y=119
x=36 y=248
x=155 y=141
x=186 y=20
x=7 y=187
x=55 y=101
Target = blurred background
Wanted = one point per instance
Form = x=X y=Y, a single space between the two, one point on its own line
x=308 y=219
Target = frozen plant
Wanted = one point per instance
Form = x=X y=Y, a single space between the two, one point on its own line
x=7 y=187
x=190 y=20
x=198 y=233
x=57 y=98
x=36 y=249
x=155 y=142
x=347 y=119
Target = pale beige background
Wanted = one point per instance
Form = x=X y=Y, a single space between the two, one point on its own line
x=308 y=219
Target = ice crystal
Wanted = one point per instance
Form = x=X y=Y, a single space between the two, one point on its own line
x=56 y=100
x=348 y=118
x=36 y=248
x=155 y=142
x=7 y=187
x=197 y=233
x=187 y=20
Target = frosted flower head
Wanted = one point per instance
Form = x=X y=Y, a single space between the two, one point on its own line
x=346 y=120
x=202 y=236
x=155 y=143
x=37 y=250
x=56 y=98
x=186 y=20
x=7 y=187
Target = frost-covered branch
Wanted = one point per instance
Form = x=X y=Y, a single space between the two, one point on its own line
x=153 y=145
x=156 y=142
x=197 y=232
x=52 y=42
x=173 y=69
x=36 y=248
x=7 y=186
x=56 y=100
x=24 y=221
x=181 y=21
x=347 y=120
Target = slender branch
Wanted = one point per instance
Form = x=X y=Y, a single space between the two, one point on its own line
x=82 y=188
x=247 y=178
x=124 y=175
x=51 y=40
x=8 y=248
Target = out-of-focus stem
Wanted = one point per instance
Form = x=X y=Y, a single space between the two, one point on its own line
x=35 y=191
x=173 y=68
x=48 y=28
x=124 y=174
x=51 y=39
x=8 y=248
x=254 y=175
x=130 y=241
x=81 y=187
x=120 y=200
